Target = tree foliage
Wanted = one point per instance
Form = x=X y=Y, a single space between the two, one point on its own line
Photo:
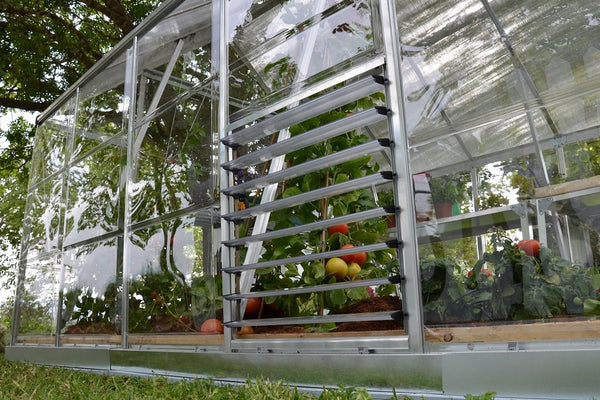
x=46 y=45
x=53 y=42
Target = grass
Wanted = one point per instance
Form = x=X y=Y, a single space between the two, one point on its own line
x=30 y=381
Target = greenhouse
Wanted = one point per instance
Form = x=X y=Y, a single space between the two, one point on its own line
x=399 y=195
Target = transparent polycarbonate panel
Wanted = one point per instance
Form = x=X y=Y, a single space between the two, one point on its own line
x=174 y=285
x=175 y=161
x=50 y=143
x=93 y=194
x=159 y=85
x=37 y=304
x=89 y=294
x=274 y=49
x=556 y=42
x=42 y=219
x=99 y=118
x=543 y=288
x=498 y=78
x=454 y=66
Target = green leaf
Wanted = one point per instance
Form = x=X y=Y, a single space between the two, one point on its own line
x=291 y=191
x=357 y=293
x=339 y=178
x=336 y=298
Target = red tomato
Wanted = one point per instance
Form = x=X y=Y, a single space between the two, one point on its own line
x=530 y=247
x=358 y=258
x=253 y=305
x=348 y=257
x=246 y=330
x=212 y=325
x=341 y=228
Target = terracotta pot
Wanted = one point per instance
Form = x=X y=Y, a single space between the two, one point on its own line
x=443 y=210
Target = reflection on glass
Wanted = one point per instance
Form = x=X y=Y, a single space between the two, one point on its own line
x=277 y=47
x=50 y=143
x=175 y=161
x=89 y=301
x=98 y=119
x=174 y=285
x=93 y=201
x=38 y=299
x=42 y=218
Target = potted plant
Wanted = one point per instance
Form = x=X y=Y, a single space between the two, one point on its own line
x=447 y=191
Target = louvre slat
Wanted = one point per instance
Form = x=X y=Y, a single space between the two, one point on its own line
x=319 y=319
x=314 y=256
x=327 y=191
x=308 y=167
x=318 y=288
x=359 y=216
x=313 y=136
x=302 y=112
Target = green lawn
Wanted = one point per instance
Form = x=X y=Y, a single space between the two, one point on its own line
x=29 y=381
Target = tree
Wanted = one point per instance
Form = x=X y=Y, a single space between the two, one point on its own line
x=46 y=46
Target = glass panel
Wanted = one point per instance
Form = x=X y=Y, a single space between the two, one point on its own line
x=89 y=303
x=99 y=118
x=492 y=89
x=93 y=201
x=49 y=149
x=174 y=284
x=176 y=161
x=524 y=88
x=277 y=47
x=192 y=68
x=42 y=219
x=38 y=301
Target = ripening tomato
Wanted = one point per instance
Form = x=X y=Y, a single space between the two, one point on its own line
x=253 y=305
x=212 y=325
x=358 y=258
x=341 y=228
x=336 y=267
x=530 y=247
x=353 y=269
x=246 y=330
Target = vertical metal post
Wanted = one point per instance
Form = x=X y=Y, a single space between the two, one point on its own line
x=130 y=98
x=221 y=19
x=411 y=290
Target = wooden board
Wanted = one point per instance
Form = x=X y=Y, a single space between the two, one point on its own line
x=176 y=338
x=567 y=187
x=496 y=332
x=560 y=330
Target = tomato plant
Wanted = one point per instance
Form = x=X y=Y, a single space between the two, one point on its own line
x=516 y=286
